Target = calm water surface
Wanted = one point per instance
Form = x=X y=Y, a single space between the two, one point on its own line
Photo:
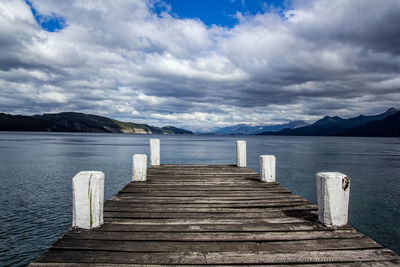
x=36 y=171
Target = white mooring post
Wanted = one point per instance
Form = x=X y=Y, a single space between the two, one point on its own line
x=241 y=153
x=139 y=167
x=87 y=198
x=154 y=152
x=267 y=168
x=333 y=198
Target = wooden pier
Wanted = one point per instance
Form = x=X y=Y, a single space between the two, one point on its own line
x=212 y=214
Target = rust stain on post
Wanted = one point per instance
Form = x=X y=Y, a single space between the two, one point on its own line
x=345 y=183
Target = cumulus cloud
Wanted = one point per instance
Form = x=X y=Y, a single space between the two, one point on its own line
x=121 y=59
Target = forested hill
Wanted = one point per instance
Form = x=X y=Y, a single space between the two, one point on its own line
x=79 y=122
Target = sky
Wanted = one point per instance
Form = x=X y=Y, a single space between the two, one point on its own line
x=200 y=64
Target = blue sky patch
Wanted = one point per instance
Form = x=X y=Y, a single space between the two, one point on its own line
x=220 y=12
x=48 y=23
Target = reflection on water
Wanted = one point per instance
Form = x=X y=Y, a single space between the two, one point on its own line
x=36 y=171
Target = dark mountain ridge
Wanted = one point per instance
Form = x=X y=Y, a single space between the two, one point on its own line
x=353 y=122
x=255 y=129
x=79 y=122
x=385 y=124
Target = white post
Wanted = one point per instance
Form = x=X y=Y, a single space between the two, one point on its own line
x=139 y=167
x=333 y=198
x=154 y=152
x=241 y=153
x=267 y=168
x=87 y=198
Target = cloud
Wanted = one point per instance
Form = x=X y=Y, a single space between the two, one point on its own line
x=122 y=60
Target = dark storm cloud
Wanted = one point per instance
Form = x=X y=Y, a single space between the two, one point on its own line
x=122 y=60
x=367 y=24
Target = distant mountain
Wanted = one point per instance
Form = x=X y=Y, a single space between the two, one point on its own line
x=328 y=121
x=388 y=127
x=353 y=122
x=79 y=122
x=175 y=130
x=384 y=124
x=255 y=129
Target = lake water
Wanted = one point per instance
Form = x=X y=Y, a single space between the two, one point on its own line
x=36 y=171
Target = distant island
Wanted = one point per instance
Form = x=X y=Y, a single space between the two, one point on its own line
x=386 y=124
x=79 y=122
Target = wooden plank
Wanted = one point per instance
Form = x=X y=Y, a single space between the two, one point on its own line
x=207 y=220
x=182 y=187
x=200 y=183
x=168 y=186
x=203 y=171
x=207 y=178
x=122 y=206
x=271 y=202
x=209 y=175
x=201 y=188
x=275 y=197
x=251 y=227
x=267 y=196
x=202 y=192
x=285 y=206
x=206 y=193
x=242 y=257
x=214 y=236
x=199 y=167
x=191 y=215
x=251 y=197
x=380 y=263
x=168 y=246
x=166 y=176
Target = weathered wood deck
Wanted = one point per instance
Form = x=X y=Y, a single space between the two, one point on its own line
x=191 y=215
